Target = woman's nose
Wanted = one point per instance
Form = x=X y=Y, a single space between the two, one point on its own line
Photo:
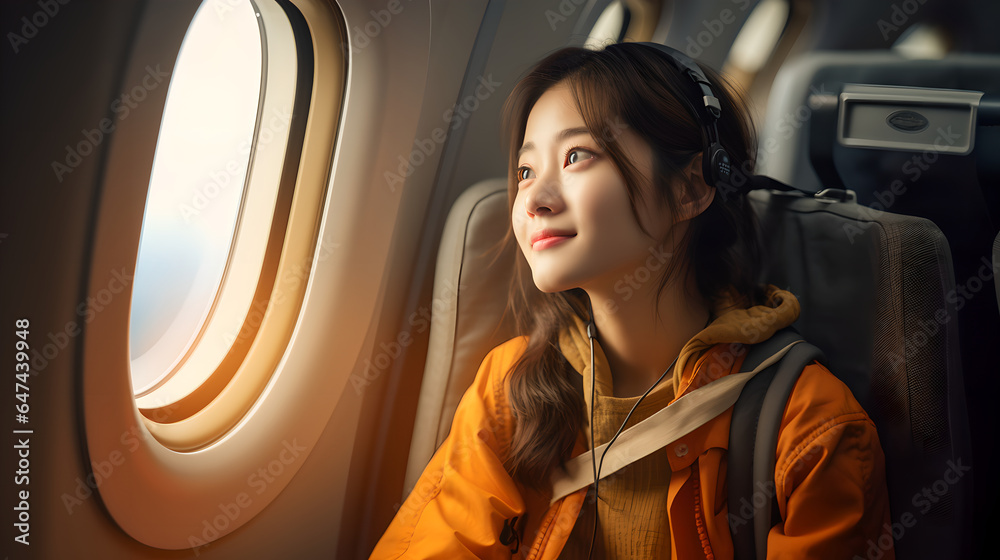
x=543 y=198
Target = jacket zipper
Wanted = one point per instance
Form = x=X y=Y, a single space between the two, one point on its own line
x=699 y=519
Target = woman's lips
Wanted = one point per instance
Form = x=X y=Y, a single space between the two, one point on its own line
x=551 y=241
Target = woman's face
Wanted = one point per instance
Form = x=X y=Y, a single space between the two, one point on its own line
x=571 y=215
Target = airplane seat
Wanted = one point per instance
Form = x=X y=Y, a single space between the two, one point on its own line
x=873 y=291
x=826 y=128
x=913 y=137
x=471 y=283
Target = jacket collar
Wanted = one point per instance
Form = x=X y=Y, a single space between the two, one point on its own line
x=734 y=324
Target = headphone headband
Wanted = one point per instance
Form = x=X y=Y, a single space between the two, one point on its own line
x=716 y=163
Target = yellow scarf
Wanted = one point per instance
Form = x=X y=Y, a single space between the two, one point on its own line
x=732 y=324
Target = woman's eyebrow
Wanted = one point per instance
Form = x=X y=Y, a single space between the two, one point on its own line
x=561 y=136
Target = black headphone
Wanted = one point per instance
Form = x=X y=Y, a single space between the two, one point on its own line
x=716 y=164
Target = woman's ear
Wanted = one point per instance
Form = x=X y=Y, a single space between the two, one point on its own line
x=697 y=195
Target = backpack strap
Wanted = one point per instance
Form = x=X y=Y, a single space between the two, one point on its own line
x=753 y=437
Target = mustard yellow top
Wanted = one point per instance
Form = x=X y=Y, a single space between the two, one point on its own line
x=632 y=507
x=633 y=501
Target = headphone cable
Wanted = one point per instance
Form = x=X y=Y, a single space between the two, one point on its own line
x=593 y=456
x=593 y=402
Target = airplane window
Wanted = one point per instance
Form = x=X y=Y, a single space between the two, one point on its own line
x=196 y=189
x=610 y=26
x=758 y=36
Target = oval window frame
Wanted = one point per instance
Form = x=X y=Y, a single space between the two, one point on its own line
x=169 y=479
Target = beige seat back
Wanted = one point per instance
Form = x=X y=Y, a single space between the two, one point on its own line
x=471 y=283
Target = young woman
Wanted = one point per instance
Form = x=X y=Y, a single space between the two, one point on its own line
x=627 y=242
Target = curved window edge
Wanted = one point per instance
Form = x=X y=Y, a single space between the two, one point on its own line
x=208 y=412
x=153 y=496
x=270 y=189
x=229 y=303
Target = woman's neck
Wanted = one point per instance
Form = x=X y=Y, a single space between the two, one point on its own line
x=639 y=342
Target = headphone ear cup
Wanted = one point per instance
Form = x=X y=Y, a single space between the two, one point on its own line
x=721 y=167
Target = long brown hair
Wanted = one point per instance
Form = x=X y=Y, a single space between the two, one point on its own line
x=634 y=86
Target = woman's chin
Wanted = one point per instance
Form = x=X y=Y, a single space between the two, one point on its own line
x=545 y=288
x=550 y=285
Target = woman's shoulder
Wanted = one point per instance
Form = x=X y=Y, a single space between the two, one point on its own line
x=510 y=350
x=823 y=414
x=503 y=356
x=496 y=366
x=819 y=391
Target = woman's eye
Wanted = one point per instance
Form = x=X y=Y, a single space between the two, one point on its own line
x=576 y=154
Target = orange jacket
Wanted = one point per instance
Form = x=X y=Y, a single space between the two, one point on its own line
x=829 y=474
